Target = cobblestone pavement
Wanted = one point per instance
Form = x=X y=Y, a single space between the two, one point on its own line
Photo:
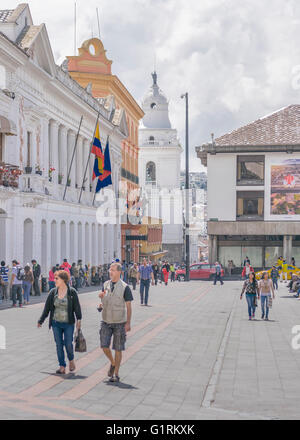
x=192 y=355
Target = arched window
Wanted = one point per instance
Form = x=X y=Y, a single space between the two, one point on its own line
x=151 y=140
x=151 y=172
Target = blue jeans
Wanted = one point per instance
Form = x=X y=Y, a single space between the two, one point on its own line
x=16 y=293
x=263 y=300
x=63 y=336
x=275 y=283
x=145 y=284
x=26 y=288
x=250 y=301
x=218 y=277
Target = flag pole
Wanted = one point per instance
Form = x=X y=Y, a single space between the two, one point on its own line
x=71 y=163
x=98 y=177
x=87 y=164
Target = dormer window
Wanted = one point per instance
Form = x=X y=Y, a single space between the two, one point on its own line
x=153 y=105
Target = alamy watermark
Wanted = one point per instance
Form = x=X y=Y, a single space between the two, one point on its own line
x=151 y=206
x=2 y=337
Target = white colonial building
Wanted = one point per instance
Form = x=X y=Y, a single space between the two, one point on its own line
x=254 y=191
x=159 y=168
x=40 y=111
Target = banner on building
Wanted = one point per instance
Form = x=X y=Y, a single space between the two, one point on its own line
x=285 y=188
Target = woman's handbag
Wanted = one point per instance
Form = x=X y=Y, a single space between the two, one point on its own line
x=255 y=301
x=80 y=342
x=270 y=302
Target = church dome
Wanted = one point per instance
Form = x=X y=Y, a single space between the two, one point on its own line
x=156 y=107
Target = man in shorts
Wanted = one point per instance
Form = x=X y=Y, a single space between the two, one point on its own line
x=116 y=317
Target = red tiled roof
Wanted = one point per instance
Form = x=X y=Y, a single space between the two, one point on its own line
x=5 y=14
x=280 y=128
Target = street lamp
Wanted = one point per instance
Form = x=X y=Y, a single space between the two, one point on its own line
x=187 y=186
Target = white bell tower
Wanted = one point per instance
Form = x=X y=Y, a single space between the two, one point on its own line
x=159 y=163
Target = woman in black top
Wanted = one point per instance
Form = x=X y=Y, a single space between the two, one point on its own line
x=63 y=305
x=251 y=288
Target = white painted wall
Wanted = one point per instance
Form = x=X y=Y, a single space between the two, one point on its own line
x=221 y=187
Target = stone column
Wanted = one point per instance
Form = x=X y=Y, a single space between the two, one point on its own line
x=54 y=149
x=86 y=151
x=68 y=240
x=60 y=257
x=287 y=248
x=63 y=153
x=79 y=162
x=212 y=249
x=71 y=144
x=75 y=242
x=45 y=146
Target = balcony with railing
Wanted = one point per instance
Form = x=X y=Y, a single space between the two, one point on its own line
x=39 y=184
x=9 y=175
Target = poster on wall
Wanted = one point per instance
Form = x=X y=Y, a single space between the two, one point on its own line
x=285 y=188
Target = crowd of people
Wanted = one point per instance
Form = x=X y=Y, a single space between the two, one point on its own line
x=264 y=289
x=18 y=283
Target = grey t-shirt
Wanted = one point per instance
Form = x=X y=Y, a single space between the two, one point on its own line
x=15 y=272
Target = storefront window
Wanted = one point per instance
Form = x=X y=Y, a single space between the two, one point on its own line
x=272 y=253
x=239 y=253
x=296 y=255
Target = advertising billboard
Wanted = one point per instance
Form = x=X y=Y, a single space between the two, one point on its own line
x=285 y=188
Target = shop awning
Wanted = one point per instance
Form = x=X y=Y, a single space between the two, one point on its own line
x=7 y=126
x=155 y=254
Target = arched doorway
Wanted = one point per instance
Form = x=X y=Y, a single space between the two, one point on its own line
x=28 y=241
x=87 y=244
x=63 y=240
x=54 y=243
x=80 y=256
x=94 y=244
x=44 y=246
x=72 y=238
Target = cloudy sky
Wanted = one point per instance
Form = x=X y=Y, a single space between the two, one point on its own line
x=238 y=59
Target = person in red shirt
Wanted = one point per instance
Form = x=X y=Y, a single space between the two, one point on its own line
x=246 y=271
x=66 y=266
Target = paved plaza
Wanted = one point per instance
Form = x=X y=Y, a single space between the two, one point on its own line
x=192 y=355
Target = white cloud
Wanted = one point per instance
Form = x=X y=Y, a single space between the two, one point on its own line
x=234 y=57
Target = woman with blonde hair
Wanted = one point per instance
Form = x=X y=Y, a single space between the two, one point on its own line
x=266 y=290
x=63 y=305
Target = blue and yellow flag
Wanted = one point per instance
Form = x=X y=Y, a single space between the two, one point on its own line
x=105 y=178
x=99 y=157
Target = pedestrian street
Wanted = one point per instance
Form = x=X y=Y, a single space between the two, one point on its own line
x=191 y=354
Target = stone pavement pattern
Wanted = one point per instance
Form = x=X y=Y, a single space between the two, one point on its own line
x=192 y=355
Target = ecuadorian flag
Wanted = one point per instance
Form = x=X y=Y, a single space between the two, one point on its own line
x=105 y=179
x=99 y=156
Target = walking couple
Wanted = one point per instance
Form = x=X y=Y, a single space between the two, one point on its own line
x=64 y=308
x=262 y=290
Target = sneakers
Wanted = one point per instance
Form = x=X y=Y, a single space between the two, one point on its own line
x=111 y=371
x=114 y=379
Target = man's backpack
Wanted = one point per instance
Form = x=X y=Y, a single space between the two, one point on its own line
x=20 y=274
x=2 y=270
